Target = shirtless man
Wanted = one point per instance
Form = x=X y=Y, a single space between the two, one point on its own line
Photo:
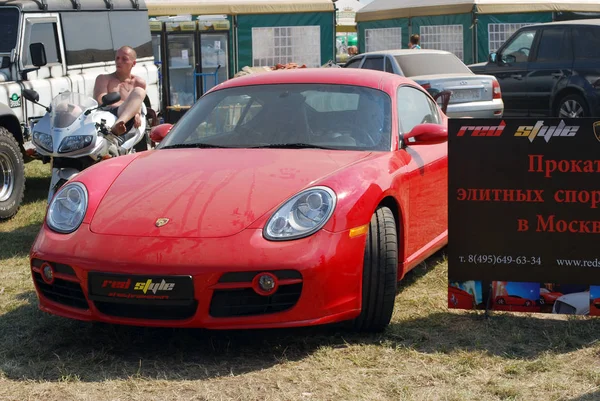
x=131 y=88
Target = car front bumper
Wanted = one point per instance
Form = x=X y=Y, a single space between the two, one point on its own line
x=319 y=278
x=486 y=109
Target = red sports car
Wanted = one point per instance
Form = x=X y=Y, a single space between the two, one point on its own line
x=513 y=300
x=548 y=297
x=287 y=198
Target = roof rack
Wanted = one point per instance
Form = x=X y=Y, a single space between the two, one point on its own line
x=76 y=4
x=136 y=4
x=109 y=4
x=44 y=5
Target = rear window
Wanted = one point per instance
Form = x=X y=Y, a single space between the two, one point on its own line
x=430 y=63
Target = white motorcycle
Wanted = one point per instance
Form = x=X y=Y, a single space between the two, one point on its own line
x=75 y=134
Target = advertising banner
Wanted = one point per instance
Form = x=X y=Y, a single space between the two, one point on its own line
x=524 y=215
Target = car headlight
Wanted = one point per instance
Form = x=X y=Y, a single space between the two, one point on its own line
x=43 y=140
x=302 y=215
x=67 y=208
x=74 y=142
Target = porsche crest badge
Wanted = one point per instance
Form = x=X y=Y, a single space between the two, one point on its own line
x=161 y=222
x=597 y=130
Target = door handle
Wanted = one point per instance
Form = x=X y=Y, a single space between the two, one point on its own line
x=516 y=76
x=558 y=75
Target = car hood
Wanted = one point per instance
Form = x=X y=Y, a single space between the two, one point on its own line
x=208 y=193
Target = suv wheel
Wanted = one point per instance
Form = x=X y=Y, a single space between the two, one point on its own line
x=572 y=106
x=12 y=175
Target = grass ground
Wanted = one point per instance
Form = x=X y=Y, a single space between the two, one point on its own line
x=427 y=353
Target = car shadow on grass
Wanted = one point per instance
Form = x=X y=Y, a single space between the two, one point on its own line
x=36 y=189
x=17 y=243
x=38 y=346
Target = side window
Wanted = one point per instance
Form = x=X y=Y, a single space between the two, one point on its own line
x=373 y=63
x=355 y=63
x=388 y=65
x=553 y=45
x=586 y=43
x=125 y=30
x=42 y=30
x=414 y=108
x=87 y=48
x=517 y=51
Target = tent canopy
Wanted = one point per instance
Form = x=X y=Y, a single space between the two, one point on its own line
x=390 y=9
x=235 y=7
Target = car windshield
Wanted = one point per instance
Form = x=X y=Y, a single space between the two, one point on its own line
x=8 y=28
x=67 y=106
x=416 y=63
x=342 y=117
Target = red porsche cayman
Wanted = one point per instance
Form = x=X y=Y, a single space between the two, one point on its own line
x=288 y=198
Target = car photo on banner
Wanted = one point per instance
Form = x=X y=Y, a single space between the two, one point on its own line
x=516 y=297
x=289 y=198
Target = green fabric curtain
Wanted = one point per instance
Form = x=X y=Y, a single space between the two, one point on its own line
x=465 y=20
x=247 y=22
x=483 y=31
x=390 y=23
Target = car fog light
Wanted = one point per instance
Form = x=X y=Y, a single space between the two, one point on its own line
x=47 y=273
x=265 y=284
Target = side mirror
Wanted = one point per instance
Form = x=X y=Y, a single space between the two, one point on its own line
x=110 y=98
x=31 y=95
x=426 y=133
x=38 y=54
x=158 y=133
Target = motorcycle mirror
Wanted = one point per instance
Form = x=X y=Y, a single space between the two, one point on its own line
x=158 y=133
x=110 y=98
x=31 y=95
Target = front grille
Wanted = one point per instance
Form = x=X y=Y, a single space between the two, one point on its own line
x=244 y=301
x=61 y=291
x=151 y=312
x=58 y=267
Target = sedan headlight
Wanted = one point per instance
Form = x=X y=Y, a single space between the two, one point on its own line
x=43 y=140
x=302 y=215
x=67 y=209
x=74 y=142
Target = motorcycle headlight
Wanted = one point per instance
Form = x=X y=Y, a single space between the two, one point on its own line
x=43 y=140
x=74 y=142
x=67 y=208
x=302 y=215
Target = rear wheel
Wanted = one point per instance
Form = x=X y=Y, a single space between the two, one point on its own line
x=12 y=175
x=380 y=273
x=572 y=106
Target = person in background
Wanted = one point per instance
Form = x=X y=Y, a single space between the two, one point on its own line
x=414 y=41
x=352 y=51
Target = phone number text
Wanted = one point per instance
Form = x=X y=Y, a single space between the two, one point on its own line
x=501 y=259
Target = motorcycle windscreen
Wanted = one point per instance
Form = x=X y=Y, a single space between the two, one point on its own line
x=67 y=107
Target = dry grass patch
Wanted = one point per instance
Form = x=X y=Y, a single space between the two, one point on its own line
x=428 y=353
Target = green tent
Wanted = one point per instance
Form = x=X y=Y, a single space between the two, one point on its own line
x=471 y=29
x=266 y=32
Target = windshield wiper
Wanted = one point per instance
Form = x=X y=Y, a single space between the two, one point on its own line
x=193 y=145
x=297 y=145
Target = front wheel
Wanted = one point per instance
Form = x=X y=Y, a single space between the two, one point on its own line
x=12 y=175
x=380 y=273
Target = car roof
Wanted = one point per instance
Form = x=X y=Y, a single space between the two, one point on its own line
x=593 y=21
x=73 y=5
x=402 y=52
x=340 y=76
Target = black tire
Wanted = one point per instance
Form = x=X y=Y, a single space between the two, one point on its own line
x=12 y=175
x=572 y=106
x=380 y=273
x=143 y=144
